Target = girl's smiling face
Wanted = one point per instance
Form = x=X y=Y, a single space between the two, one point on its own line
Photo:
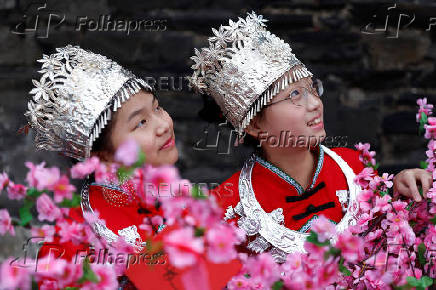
x=142 y=119
x=288 y=119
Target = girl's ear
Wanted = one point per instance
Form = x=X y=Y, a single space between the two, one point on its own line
x=253 y=128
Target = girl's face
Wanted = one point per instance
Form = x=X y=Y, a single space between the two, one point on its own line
x=286 y=124
x=142 y=119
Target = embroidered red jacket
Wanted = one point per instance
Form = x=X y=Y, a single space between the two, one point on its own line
x=275 y=189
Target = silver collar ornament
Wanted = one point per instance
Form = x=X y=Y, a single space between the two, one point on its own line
x=75 y=98
x=268 y=229
x=244 y=67
x=130 y=233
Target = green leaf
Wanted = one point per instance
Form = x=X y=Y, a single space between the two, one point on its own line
x=33 y=192
x=412 y=281
x=344 y=270
x=423 y=164
x=124 y=173
x=24 y=212
x=88 y=274
x=422 y=122
x=197 y=193
x=433 y=220
x=140 y=161
x=383 y=193
x=424 y=117
x=421 y=254
x=73 y=202
x=409 y=206
x=313 y=238
x=426 y=281
x=199 y=232
x=278 y=285
x=334 y=251
x=34 y=285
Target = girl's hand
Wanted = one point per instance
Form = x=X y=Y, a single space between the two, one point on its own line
x=406 y=183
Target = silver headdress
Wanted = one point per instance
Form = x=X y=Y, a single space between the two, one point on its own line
x=75 y=98
x=244 y=67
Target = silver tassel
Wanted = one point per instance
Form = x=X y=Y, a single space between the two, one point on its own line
x=115 y=104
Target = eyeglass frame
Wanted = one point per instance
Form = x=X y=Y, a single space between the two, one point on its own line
x=313 y=90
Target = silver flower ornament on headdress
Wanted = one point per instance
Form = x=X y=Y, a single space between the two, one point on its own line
x=244 y=67
x=75 y=98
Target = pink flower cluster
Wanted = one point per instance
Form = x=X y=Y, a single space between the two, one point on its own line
x=195 y=232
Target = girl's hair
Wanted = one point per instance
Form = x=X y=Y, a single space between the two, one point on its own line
x=103 y=142
x=212 y=113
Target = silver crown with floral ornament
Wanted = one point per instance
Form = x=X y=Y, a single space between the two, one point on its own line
x=75 y=98
x=244 y=67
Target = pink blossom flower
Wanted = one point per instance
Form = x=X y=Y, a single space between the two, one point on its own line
x=293 y=262
x=364 y=177
x=221 y=241
x=362 y=146
x=183 y=248
x=50 y=267
x=46 y=231
x=324 y=228
x=364 y=198
x=146 y=226
x=264 y=268
x=381 y=204
x=181 y=188
x=202 y=213
x=83 y=169
x=40 y=177
x=14 y=276
x=47 y=210
x=127 y=152
x=106 y=276
x=122 y=246
x=31 y=179
x=49 y=285
x=4 y=181
x=6 y=223
x=174 y=209
x=381 y=183
x=16 y=191
x=327 y=274
x=423 y=108
x=431 y=193
x=62 y=189
x=430 y=129
x=351 y=246
x=365 y=156
x=71 y=231
x=240 y=282
x=161 y=178
x=105 y=174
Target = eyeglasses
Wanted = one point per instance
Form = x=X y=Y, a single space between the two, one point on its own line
x=299 y=95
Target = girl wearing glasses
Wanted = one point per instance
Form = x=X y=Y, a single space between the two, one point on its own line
x=266 y=93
